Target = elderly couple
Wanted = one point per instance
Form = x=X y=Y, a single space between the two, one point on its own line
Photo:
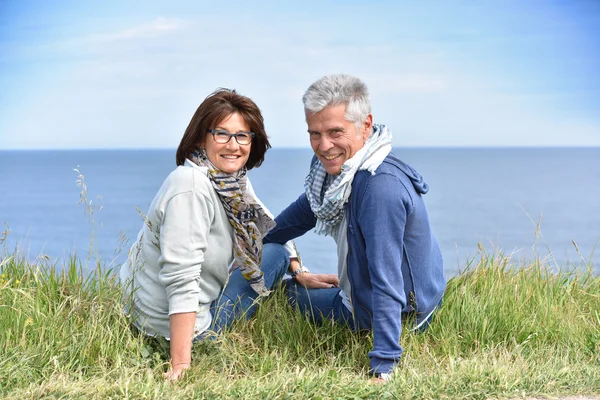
x=209 y=248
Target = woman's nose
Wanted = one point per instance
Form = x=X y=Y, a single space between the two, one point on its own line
x=232 y=144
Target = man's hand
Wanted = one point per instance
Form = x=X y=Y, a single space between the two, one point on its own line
x=317 y=281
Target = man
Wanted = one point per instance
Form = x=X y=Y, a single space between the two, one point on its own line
x=370 y=202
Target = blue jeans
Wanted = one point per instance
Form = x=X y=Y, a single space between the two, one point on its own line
x=237 y=299
x=326 y=304
x=319 y=304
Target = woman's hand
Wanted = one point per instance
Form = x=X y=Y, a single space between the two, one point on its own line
x=313 y=281
x=176 y=371
x=317 y=281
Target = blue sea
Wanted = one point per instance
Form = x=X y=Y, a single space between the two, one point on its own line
x=529 y=203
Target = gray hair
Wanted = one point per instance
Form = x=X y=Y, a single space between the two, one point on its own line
x=336 y=89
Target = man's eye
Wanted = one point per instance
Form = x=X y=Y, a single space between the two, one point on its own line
x=314 y=134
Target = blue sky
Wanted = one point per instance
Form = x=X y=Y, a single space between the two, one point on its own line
x=130 y=74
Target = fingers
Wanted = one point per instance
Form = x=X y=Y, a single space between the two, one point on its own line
x=317 y=284
x=172 y=376
x=176 y=373
x=333 y=279
x=309 y=281
x=328 y=279
x=317 y=281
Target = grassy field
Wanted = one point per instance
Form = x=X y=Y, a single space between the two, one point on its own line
x=502 y=332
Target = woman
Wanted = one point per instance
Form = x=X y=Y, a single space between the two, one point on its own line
x=204 y=222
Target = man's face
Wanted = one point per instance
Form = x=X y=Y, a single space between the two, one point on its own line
x=333 y=139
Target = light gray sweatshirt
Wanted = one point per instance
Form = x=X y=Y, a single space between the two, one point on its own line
x=182 y=255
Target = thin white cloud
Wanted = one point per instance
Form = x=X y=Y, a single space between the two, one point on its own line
x=408 y=83
x=150 y=30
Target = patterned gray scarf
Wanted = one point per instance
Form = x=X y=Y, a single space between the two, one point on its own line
x=327 y=203
x=248 y=219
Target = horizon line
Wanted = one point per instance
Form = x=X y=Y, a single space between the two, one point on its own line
x=450 y=147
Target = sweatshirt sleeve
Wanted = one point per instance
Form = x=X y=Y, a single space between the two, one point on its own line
x=294 y=221
x=183 y=241
x=382 y=219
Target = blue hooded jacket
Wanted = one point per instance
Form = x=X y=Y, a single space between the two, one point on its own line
x=394 y=261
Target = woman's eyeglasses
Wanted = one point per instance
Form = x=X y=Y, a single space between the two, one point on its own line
x=222 y=136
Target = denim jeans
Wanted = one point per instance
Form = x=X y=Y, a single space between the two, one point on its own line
x=326 y=304
x=319 y=304
x=237 y=299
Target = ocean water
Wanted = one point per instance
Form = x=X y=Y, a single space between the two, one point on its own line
x=529 y=203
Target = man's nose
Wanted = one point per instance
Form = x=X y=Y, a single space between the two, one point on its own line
x=325 y=143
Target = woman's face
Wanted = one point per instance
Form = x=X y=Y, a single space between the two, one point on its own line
x=231 y=156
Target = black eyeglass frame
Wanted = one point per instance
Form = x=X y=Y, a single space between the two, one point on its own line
x=235 y=135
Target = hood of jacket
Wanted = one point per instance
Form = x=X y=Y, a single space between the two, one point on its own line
x=417 y=180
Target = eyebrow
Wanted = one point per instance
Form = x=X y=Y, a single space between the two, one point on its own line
x=220 y=128
x=330 y=130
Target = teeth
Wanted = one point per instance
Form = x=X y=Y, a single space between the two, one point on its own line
x=231 y=157
x=331 y=157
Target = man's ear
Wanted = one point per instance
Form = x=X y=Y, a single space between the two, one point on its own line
x=367 y=126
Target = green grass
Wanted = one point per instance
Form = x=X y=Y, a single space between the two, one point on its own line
x=503 y=332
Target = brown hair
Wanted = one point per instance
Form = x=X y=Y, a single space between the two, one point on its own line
x=215 y=108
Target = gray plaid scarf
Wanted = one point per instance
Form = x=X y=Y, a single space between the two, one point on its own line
x=327 y=203
x=248 y=219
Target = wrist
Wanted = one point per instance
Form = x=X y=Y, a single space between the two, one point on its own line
x=180 y=366
x=295 y=273
x=296 y=270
